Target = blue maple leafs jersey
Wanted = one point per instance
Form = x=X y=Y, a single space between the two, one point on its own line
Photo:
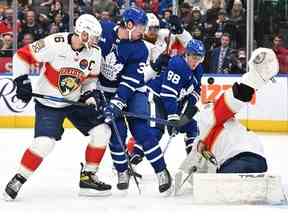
x=177 y=84
x=122 y=69
x=108 y=36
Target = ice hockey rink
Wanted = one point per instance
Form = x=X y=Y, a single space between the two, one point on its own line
x=53 y=189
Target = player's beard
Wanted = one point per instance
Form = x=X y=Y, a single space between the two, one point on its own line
x=152 y=38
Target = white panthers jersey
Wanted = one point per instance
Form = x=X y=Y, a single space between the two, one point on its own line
x=65 y=73
x=232 y=139
x=235 y=139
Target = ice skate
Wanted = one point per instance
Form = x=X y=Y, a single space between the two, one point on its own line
x=123 y=180
x=13 y=187
x=90 y=185
x=165 y=182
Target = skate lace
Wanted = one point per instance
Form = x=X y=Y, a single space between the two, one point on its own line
x=123 y=177
x=95 y=178
x=162 y=178
x=15 y=185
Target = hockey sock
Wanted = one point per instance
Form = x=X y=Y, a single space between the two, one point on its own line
x=29 y=163
x=93 y=156
x=154 y=155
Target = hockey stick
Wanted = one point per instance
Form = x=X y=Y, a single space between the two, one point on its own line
x=59 y=99
x=122 y=145
x=207 y=155
x=127 y=114
x=169 y=141
x=147 y=117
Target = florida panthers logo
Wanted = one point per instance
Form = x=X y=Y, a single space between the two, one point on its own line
x=111 y=68
x=69 y=80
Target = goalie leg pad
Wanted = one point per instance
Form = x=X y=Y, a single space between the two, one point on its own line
x=253 y=188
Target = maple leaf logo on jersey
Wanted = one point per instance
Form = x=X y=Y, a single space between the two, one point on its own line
x=111 y=68
x=69 y=80
x=185 y=92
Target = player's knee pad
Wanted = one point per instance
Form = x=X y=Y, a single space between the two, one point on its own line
x=100 y=135
x=242 y=92
x=42 y=146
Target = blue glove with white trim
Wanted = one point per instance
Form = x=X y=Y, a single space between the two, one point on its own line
x=174 y=119
x=114 y=109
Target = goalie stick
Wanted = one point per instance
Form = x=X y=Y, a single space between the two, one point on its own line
x=207 y=155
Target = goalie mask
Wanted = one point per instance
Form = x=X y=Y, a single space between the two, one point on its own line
x=88 y=29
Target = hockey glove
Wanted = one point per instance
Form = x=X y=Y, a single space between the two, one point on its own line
x=114 y=109
x=23 y=88
x=175 y=25
x=92 y=98
x=174 y=120
x=161 y=63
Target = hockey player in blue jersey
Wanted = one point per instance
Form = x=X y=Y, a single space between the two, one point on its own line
x=176 y=90
x=122 y=79
x=181 y=86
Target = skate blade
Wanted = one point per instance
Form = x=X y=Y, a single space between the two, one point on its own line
x=170 y=191
x=94 y=193
x=122 y=193
x=6 y=197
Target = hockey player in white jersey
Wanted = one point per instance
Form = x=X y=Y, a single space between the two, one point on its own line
x=71 y=64
x=222 y=138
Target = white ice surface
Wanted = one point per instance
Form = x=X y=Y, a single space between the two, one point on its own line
x=53 y=189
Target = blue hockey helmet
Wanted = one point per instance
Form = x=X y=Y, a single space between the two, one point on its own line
x=136 y=15
x=195 y=47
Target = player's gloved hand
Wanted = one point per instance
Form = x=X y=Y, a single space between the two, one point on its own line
x=23 y=88
x=93 y=98
x=161 y=63
x=114 y=109
x=175 y=25
x=174 y=120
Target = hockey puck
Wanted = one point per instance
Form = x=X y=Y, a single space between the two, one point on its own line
x=210 y=80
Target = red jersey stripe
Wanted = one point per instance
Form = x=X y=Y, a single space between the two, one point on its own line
x=25 y=54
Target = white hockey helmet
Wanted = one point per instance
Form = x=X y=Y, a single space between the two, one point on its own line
x=153 y=21
x=89 y=24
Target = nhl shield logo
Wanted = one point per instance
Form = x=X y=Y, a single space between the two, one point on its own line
x=69 y=80
x=83 y=64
